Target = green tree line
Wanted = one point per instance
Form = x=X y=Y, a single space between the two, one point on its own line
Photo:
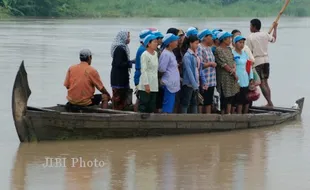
x=151 y=8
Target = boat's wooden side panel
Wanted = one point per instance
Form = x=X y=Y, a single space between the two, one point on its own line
x=58 y=126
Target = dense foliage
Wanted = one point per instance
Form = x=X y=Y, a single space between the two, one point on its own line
x=154 y=8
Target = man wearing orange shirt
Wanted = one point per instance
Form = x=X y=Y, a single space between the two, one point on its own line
x=81 y=81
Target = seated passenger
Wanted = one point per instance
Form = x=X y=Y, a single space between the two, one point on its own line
x=81 y=80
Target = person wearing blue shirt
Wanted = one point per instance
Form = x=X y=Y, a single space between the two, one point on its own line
x=140 y=50
x=244 y=77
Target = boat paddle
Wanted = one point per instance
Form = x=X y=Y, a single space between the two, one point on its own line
x=279 y=15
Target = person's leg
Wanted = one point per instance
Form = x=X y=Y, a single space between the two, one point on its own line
x=152 y=102
x=223 y=101
x=97 y=99
x=208 y=100
x=168 y=102
x=123 y=98
x=194 y=102
x=115 y=98
x=229 y=101
x=144 y=101
x=177 y=102
x=159 y=99
x=202 y=107
x=263 y=72
x=186 y=94
x=239 y=101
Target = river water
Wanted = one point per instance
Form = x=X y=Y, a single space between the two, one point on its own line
x=258 y=159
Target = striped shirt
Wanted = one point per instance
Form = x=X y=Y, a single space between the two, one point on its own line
x=206 y=55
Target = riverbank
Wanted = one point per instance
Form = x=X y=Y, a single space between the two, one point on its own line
x=158 y=8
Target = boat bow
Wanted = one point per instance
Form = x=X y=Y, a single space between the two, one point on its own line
x=20 y=95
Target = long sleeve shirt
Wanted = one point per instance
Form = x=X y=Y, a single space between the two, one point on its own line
x=169 y=66
x=149 y=71
x=137 y=75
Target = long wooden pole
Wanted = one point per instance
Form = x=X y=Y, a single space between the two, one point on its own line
x=279 y=15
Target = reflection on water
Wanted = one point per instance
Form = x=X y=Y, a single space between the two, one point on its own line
x=218 y=161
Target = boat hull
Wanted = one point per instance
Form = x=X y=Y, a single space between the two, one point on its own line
x=70 y=126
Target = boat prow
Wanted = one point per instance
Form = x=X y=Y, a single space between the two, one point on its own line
x=20 y=95
x=56 y=123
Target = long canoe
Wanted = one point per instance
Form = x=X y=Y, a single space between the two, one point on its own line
x=55 y=123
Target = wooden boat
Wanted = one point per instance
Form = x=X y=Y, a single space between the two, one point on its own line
x=55 y=123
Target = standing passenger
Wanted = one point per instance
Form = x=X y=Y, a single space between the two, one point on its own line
x=148 y=85
x=209 y=71
x=246 y=48
x=160 y=95
x=192 y=71
x=120 y=69
x=227 y=79
x=244 y=77
x=258 y=43
x=169 y=67
x=137 y=74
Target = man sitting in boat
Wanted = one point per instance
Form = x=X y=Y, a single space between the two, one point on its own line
x=81 y=81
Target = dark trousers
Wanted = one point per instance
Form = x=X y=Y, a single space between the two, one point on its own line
x=147 y=101
x=188 y=99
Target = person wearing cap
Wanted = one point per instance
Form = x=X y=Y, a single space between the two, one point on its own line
x=160 y=95
x=171 y=77
x=246 y=48
x=209 y=68
x=137 y=73
x=216 y=41
x=159 y=37
x=258 y=42
x=148 y=85
x=179 y=57
x=227 y=79
x=120 y=69
x=244 y=78
x=192 y=75
x=191 y=31
x=81 y=81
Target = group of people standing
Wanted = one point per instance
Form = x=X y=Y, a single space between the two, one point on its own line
x=179 y=72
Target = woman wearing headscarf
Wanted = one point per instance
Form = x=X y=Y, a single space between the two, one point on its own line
x=209 y=65
x=179 y=57
x=120 y=69
x=160 y=95
x=168 y=66
x=227 y=79
x=245 y=76
x=148 y=85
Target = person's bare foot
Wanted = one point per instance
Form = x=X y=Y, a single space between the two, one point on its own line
x=269 y=106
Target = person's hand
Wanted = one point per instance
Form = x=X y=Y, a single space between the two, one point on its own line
x=213 y=64
x=106 y=97
x=147 y=88
x=275 y=25
x=236 y=77
x=205 y=87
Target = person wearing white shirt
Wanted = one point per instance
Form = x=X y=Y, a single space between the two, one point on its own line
x=258 y=43
x=148 y=85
